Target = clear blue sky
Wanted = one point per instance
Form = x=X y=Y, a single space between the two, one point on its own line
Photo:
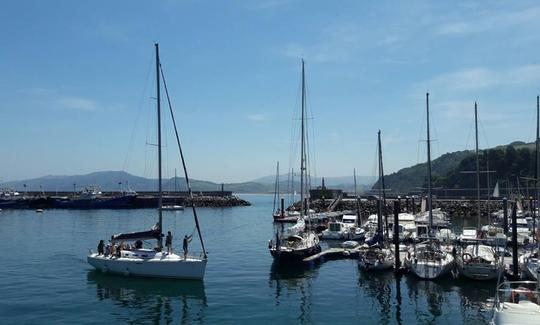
x=76 y=82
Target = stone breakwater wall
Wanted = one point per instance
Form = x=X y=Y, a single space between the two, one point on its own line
x=464 y=208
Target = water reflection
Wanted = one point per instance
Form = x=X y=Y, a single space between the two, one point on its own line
x=151 y=300
x=433 y=294
x=296 y=279
x=377 y=285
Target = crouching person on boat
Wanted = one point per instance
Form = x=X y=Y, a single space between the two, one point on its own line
x=187 y=240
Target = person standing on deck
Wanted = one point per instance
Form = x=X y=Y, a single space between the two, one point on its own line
x=100 y=247
x=187 y=239
x=168 y=242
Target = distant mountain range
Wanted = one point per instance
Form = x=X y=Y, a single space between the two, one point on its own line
x=117 y=180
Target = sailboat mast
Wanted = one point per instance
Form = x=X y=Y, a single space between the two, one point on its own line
x=160 y=194
x=537 y=159
x=477 y=167
x=380 y=210
x=302 y=150
x=276 y=187
x=429 y=166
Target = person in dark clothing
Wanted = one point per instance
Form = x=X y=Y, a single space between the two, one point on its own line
x=100 y=247
x=187 y=239
x=168 y=242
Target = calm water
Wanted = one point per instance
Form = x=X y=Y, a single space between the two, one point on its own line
x=44 y=277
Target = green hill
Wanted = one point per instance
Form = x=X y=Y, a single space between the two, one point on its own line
x=516 y=160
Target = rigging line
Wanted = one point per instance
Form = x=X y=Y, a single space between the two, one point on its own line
x=139 y=110
x=183 y=162
x=471 y=127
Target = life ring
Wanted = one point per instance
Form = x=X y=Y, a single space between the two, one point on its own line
x=467 y=257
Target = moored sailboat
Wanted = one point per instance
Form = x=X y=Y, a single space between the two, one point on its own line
x=428 y=260
x=153 y=262
x=304 y=242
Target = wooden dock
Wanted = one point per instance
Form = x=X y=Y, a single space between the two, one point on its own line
x=334 y=253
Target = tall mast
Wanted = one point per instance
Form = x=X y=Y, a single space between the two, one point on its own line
x=477 y=167
x=537 y=158
x=160 y=194
x=380 y=210
x=302 y=150
x=276 y=188
x=429 y=167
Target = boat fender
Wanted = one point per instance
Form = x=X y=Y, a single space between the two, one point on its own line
x=269 y=244
x=466 y=257
x=380 y=258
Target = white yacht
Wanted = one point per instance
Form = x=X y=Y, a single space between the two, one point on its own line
x=479 y=262
x=468 y=234
x=346 y=229
x=154 y=262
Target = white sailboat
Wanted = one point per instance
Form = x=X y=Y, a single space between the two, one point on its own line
x=428 y=260
x=153 y=262
x=477 y=261
x=530 y=261
x=304 y=242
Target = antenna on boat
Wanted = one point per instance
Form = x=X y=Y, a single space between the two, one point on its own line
x=160 y=194
x=354 y=175
x=429 y=167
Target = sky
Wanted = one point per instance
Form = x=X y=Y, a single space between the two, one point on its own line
x=77 y=83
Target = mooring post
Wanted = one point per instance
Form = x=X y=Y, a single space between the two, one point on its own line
x=397 y=208
x=407 y=204
x=505 y=215
x=399 y=200
x=358 y=213
x=282 y=207
x=514 y=240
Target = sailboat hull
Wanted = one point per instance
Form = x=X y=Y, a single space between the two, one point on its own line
x=478 y=271
x=160 y=266
x=430 y=270
x=294 y=255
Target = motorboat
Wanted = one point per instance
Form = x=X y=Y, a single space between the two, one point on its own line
x=516 y=303
x=469 y=234
x=172 y=207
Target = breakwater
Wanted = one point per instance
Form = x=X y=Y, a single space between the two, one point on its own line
x=44 y=201
x=457 y=207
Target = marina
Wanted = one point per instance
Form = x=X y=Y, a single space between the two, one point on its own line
x=284 y=293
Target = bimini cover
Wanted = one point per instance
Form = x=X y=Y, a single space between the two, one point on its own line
x=153 y=233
